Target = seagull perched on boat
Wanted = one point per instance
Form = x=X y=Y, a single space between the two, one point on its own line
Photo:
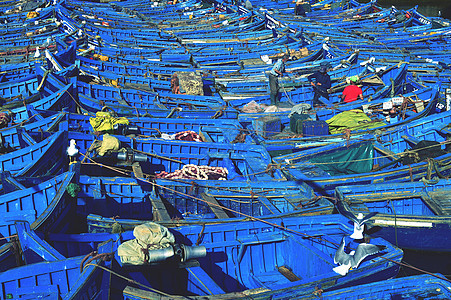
x=359 y=220
x=354 y=258
x=37 y=53
x=72 y=151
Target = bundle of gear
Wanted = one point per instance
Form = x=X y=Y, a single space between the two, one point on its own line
x=154 y=243
x=104 y=122
x=148 y=236
x=196 y=172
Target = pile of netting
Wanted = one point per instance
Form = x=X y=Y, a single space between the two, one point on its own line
x=196 y=172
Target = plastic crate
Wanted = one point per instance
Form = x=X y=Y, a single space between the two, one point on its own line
x=296 y=121
x=315 y=128
x=267 y=126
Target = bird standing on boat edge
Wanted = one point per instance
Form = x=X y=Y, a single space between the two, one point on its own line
x=354 y=258
x=72 y=151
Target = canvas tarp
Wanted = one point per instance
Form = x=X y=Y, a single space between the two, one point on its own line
x=352 y=160
x=104 y=122
x=354 y=119
x=106 y=146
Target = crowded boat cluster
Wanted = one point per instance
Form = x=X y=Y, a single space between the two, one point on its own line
x=211 y=149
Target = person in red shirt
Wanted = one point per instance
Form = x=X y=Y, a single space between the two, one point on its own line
x=352 y=92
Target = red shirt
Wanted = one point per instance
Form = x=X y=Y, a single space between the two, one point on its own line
x=351 y=93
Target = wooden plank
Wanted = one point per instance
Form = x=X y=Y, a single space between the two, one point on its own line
x=27 y=138
x=216 y=207
x=444 y=130
x=373 y=80
x=159 y=210
x=144 y=294
x=410 y=139
x=288 y=274
x=432 y=204
x=205 y=281
x=441 y=198
x=268 y=204
x=270 y=278
x=385 y=151
x=136 y=167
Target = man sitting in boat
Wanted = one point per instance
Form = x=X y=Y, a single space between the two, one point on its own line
x=299 y=9
x=248 y=5
x=321 y=83
x=5 y=118
x=352 y=92
x=277 y=70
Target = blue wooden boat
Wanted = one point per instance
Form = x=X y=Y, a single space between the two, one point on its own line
x=244 y=258
x=211 y=130
x=142 y=99
x=241 y=265
x=43 y=205
x=414 y=287
x=413 y=215
x=173 y=204
x=380 y=163
x=54 y=276
x=144 y=45
x=40 y=89
x=69 y=282
x=260 y=84
x=393 y=76
x=55 y=100
x=24 y=86
x=243 y=162
x=92 y=105
x=15 y=71
x=428 y=96
x=35 y=158
x=246 y=58
x=251 y=198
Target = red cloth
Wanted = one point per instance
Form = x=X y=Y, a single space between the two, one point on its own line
x=188 y=135
x=351 y=93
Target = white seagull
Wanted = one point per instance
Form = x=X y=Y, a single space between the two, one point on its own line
x=37 y=53
x=359 y=220
x=72 y=151
x=354 y=258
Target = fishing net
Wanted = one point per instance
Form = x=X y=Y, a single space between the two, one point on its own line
x=196 y=172
x=294 y=54
x=188 y=83
x=73 y=189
